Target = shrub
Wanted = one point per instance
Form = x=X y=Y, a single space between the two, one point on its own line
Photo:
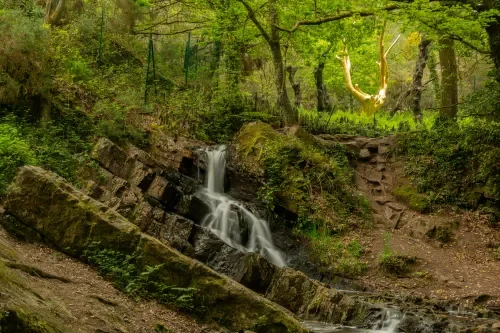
x=14 y=152
x=122 y=270
x=452 y=163
x=337 y=257
x=416 y=201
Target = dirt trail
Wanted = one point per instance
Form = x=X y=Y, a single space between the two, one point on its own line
x=90 y=303
x=463 y=268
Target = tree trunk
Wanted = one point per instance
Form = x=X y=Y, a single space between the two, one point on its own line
x=415 y=91
x=324 y=100
x=493 y=30
x=290 y=115
x=295 y=85
x=449 y=78
x=434 y=78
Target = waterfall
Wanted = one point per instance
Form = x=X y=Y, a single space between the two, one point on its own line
x=229 y=219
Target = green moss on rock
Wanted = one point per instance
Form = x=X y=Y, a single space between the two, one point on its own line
x=71 y=221
x=416 y=201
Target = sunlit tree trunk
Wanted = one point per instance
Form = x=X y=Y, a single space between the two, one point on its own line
x=449 y=78
x=370 y=103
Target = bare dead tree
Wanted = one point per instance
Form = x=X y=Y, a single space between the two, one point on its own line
x=370 y=103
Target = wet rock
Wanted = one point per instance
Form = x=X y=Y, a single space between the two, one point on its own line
x=410 y=324
x=312 y=300
x=112 y=157
x=214 y=252
x=255 y=272
x=198 y=208
x=364 y=154
x=70 y=220
x=172 y=229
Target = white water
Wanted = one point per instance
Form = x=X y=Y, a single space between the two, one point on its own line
x=387 y=324
x=226 y=214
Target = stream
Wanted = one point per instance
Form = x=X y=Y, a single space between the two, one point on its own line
x=231 y=221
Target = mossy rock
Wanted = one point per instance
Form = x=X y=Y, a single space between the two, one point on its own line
x=13 y=321
x=71 y=221
x=416 y=201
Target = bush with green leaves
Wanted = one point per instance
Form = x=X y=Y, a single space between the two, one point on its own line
x=392 y=263
x=454 y=163
x=336 y=257
x=14 y=152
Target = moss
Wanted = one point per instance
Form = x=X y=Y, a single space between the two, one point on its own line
x=17 y=321
x=314 y=185
x=397 y=264
x=416 y=201
x=72 y=221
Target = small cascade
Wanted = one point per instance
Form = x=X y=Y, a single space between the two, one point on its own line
x=387 y=324
x=229 y=219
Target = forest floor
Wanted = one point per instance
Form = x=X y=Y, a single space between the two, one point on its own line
x=461 y=269
x=89 y=302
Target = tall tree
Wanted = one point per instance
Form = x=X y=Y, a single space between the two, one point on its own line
x=449 y=78
x=324 y=100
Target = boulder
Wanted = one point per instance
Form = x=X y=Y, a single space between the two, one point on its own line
x=312 y=300
x=214 y=252
x=172 y=229
x=198 y=208
x=112 y=158
x=71 y=221
x=255 y=272
x=364 y=154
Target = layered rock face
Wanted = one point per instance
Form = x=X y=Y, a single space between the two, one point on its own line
x=162 y=205
x=70 y=221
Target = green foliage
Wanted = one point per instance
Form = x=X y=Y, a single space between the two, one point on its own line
x=337 y=257
x=61 y=147
x=416 y=201
x=451 y=162
x=14 y=152
x=300 y=175
x=393 y=263
x=123 y=271
x=355 y=123
x=160 y=328
x=24 y=65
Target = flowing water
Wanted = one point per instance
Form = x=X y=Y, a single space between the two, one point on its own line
x=387 y=324
x=229 y=219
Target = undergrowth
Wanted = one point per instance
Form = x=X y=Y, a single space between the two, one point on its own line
x=336 y=256
x=355 y=123
x=122 y=270
x=314 y=184
x=453 y=163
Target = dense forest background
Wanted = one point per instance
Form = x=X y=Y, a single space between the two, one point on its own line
x=72 y=70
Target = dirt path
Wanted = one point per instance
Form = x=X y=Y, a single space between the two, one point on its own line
x=90 y=303
x=460 y=269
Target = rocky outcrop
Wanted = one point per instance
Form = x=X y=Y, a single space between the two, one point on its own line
x=153 y=211
x=71 y=221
